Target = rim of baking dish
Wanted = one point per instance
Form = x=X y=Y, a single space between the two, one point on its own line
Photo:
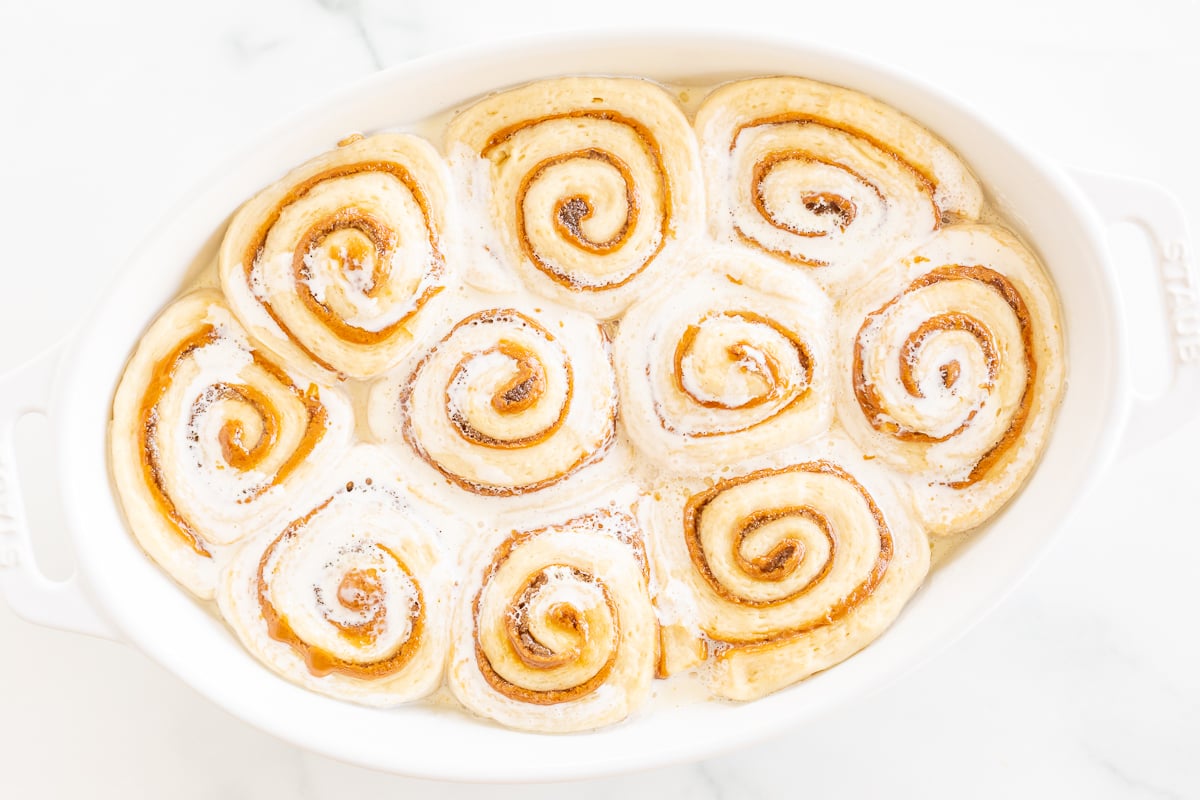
x=430 y=742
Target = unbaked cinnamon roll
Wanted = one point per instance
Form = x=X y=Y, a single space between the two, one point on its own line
x=824 y=177
x=591 y=182
x=211 y=437
x=333 y=264
x=953 y=367
x=351 y=598
x=792 y=570
x=555 y=631
x=734 y=363
x=510 y=401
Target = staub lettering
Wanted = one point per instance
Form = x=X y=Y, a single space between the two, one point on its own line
x=1183 y=300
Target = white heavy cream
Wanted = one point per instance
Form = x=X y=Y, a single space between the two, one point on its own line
x=793 y=341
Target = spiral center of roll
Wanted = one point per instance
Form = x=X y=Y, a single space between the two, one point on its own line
x=792 y=547
x=360 y=590
x=592 y=180
x=350 y=253
x=949 y=370
x=782 y=189
x=558 y=634
x=514 y=379
x=589 y=217
x=363 y=579
x=245 y=438
x=557 y=637
x=810 y=563
x=739 y=360
x=349 y=243
x=526 y=386
x=571 y=214
x=823 y=204
x=782 y=556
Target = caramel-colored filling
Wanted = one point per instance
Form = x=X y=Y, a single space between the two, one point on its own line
x=520 y=642
x=382 y=239
x=819 y=203
x=816 y=201
x=359 y=590
x=871 y=401
x=793 y=118
x=533 y=654
x=379 y=246
x=772 y=375
x=520 y=394
x=523 y=391
x=868 y=394
x=570 y=212
x=236 y=451
x=783 y=559
x=786 y=557
x=511 y=399
x=362 y=592
x=564 y=617
x=828 y=203
x=950 y=372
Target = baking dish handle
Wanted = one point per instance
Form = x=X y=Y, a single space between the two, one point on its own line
x=1157 y=212
x=28 y=592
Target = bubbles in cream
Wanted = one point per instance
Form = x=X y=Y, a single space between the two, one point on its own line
x=736 y=361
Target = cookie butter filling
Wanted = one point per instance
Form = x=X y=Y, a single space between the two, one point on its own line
x=590 y=396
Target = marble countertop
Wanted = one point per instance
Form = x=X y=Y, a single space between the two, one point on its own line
x=1085 y=682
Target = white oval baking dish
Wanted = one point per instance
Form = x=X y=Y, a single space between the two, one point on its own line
x=117 y=592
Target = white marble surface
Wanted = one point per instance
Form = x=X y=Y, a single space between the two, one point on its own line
x=1084 y=683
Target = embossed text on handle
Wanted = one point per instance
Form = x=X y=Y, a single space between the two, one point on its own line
x=1182 y=299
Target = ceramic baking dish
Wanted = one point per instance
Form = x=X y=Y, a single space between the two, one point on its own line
x=119 y=593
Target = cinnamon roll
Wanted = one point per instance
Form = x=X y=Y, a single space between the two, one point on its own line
x=333 y=264
x=351 y=598
x=792 y=569
x=954 y=366
x=602 y=396
x=824 y=177
x=591 y=182
x=210 y=437
x=510 y=401
x=735 y=363
x=554 y=630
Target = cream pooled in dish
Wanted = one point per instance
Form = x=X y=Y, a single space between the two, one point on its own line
x=592 y=391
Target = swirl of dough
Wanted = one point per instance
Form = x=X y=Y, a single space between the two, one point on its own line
x=956 y=367
x=734 y=364
x=825 y=177
x=210 y=437
x=792 y=570
x=592 y=181
x=557 y=632
x=351 y=599
x=509 y=402
x=334 y=263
